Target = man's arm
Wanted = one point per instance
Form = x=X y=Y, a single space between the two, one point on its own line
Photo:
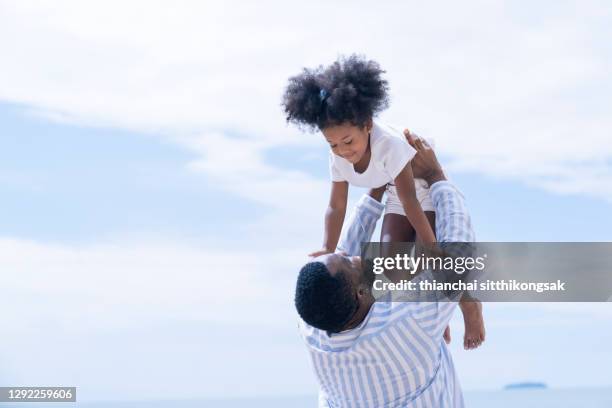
x=362 y=222
x=453 y=229
x=453 y=223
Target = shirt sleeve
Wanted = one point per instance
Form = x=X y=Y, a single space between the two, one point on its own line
x=453 y=222
x=398 y=154
x=360 y=226
x=334 y=172
x=453 y=227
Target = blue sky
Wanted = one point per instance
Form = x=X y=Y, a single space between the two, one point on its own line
x=155 y=206
x=78 y=184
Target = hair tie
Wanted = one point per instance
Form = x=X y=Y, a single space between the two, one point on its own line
x=323 y=94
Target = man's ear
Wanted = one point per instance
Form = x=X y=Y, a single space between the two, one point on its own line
x=363 y=290
x=369 y=124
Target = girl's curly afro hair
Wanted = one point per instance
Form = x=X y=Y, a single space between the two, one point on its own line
x=349 y=90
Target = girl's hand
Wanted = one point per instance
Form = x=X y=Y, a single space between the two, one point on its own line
x=320 y=252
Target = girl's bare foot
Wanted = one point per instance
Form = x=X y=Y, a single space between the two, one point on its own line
x=474 y=324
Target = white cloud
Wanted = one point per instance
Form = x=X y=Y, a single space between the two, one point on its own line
x=505 y=90
x=129 y=284
x=239 y=166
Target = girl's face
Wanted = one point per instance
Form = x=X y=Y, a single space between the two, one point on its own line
x=348 y=141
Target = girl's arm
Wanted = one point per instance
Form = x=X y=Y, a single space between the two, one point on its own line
x=406 y=191
x=334 y=217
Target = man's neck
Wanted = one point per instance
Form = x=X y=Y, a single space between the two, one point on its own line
x=360 y=315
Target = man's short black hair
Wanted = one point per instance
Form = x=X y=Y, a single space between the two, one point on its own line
x=324 y=301
x=350 y=90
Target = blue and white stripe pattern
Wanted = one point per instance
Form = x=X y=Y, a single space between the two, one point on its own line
x=396 y=357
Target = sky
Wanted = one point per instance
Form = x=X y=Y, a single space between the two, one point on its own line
x=156 y=206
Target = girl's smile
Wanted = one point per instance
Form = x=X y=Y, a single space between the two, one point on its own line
x=348 y=141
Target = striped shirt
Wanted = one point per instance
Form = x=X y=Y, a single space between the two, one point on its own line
x=396 y=357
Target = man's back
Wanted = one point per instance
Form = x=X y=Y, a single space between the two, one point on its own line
x=395 y=358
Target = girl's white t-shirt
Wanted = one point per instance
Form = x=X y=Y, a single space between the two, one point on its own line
x=390 y=152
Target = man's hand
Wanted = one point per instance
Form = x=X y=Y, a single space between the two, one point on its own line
x=424 y=164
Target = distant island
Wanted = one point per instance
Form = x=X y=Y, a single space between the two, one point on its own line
x=526 y=386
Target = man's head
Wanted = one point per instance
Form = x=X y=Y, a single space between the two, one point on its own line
x=333 y=292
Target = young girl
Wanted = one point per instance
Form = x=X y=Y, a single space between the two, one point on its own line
x=341 y=100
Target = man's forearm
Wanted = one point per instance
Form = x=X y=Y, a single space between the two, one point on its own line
x=453 y=222
x=454 y=230
x=361 y=224
x=434 y=177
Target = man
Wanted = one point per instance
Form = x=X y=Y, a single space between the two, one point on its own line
x=381 y=354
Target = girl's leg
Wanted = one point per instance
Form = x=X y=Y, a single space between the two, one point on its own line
x=396 y=228
x=431 y=217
